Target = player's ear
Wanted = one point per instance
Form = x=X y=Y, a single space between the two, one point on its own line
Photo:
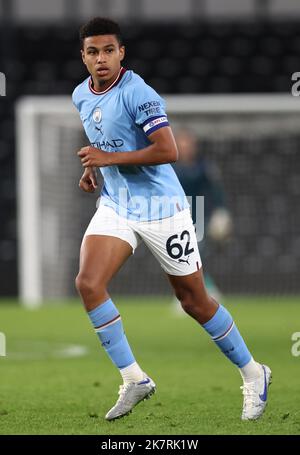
x=82 y=56
x=122 y=53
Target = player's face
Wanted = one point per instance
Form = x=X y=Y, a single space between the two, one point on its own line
x=102 y=56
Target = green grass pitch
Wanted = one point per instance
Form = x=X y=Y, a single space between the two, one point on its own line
x=45 y=388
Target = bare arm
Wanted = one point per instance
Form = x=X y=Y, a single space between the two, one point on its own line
x=162 y=150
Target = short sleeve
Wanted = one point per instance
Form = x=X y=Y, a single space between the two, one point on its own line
x=147 y=108
x=74 y=97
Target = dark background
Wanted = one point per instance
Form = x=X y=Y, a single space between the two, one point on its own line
x=204 y=47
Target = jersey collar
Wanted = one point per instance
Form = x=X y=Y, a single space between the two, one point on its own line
x=115 y=82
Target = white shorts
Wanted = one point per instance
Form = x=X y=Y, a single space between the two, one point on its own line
x=171 y=240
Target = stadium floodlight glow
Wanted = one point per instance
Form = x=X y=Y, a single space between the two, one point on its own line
x=52 y=212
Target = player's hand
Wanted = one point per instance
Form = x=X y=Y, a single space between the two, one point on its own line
x=88 y=181
x=92 y=156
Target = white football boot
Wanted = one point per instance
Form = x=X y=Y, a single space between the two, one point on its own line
x=130 y=394
x=255 y=395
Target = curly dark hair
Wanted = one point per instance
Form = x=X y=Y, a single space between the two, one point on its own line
x=100 y=26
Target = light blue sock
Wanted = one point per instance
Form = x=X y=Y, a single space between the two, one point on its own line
x=109 y=328
x=224 y=333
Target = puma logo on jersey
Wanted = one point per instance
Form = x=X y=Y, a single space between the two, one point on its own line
x=184 y=260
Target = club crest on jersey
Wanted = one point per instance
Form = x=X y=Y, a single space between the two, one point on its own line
x=97 y=115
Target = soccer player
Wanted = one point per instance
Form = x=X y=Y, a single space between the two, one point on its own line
x=141 y=200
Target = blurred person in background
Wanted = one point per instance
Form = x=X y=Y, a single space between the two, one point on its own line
x=200 y=177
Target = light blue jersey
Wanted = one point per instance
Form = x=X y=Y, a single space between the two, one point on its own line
x=120 y=119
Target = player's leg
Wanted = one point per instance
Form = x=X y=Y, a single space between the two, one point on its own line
x=219 y=324
x=177 y=251
x=190 y=289
x=214 y=318
x=101 y=257
x=209 y=284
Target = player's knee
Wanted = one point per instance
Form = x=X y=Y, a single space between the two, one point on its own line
x=193 y=303
x=82 y=284
x=188 y=305
x=185 y=298
x=87 y=287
